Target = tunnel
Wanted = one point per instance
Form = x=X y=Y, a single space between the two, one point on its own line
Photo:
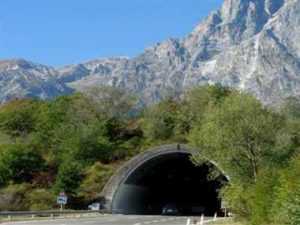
x=167 y=178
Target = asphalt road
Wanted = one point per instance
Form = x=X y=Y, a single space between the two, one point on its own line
x=112 y=220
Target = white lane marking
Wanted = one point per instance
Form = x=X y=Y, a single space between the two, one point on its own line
x=159 y=220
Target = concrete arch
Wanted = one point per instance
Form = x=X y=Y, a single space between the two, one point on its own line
x=110 y=191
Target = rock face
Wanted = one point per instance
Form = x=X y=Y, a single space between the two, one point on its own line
x=251 y=45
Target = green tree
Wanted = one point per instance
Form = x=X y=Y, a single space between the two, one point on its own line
x=251 y=143
x=241 y=135
x=291 y=108
x=111 y=102
x=194 y=104
x=89 y=145
x=199 y=99
x=95 y=177
x=17 y=118
x=69 y=177
x=159 y=121
x=19 y=163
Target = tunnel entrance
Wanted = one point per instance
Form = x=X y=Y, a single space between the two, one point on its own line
x=169 y=179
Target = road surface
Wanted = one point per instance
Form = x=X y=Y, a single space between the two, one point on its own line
x=111 y=220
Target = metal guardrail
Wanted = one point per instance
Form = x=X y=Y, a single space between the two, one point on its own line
x=52 y=214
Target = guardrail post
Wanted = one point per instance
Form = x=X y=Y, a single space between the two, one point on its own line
x=215 y=217
x=52 y=216
x=202 y=220
x=188 y=222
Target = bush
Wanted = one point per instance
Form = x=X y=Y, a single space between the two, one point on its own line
x=286 y=208
x=18 y=163
x=13 y=197
x=237 y=197
x=96 y=177
x=40 y=199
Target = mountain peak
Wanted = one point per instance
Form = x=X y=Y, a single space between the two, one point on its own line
x=14 y=64
x=232 y=9
x=236 y=21
x=248 y=16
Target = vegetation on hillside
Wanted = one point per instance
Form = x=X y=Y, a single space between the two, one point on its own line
x=74 y=143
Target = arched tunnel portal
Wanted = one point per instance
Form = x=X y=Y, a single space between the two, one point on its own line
x=162 y=177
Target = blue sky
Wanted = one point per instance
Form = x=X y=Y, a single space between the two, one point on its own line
x=59 y=32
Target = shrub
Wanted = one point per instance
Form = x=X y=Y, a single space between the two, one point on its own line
x=286 y=208
x=13 y=197
x=95 y=178
x=18 y=163
x=40 y=199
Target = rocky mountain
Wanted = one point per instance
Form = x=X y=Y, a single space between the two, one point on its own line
x=250 y=45
x=20 y=78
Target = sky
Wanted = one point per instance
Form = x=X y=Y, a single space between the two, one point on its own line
x=60 y=32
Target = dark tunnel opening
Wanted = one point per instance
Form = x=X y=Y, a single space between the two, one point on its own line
x=170 y=179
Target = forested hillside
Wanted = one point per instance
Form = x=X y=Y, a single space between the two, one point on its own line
x=74 y=144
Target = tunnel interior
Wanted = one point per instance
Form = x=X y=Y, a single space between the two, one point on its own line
x=170 y=179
